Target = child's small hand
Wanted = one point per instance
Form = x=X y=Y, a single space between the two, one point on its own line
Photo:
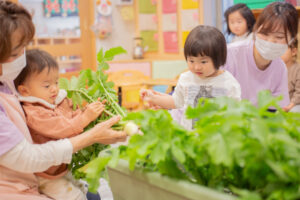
x=288 y=107
x=93 y=110
x=146 y=95
x=149 y=96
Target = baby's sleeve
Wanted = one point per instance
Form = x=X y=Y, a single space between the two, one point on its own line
x=49 y=124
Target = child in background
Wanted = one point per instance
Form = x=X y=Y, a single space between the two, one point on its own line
x=240 y=21
x=205 y=51
x=293 y=67
x=49 y=116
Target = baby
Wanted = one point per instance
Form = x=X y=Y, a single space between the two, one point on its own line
x=49 y=116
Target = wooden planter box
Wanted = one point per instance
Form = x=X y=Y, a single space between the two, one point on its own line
x=136 y=185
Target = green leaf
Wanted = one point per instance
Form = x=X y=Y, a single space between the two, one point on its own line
x=159 y=152
x=218 y=151
x=111 y=53
x=266 y=100
x=82 y=80
x=93 y=172
x=178 y=153
x=103 y=66
x=64 y=83
x=277 y=169
x=73 y=83
x=100 y=56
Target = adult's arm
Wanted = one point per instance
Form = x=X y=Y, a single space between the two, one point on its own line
x=18 y=154
x=30 y=158
x=10 y=135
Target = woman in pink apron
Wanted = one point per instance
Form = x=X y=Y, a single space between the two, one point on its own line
x=19 y=158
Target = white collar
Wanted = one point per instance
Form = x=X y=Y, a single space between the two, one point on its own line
x=245 y=35
x=31 y=99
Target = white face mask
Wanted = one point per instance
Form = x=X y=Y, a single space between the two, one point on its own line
x=270 y=50
x=11 y=70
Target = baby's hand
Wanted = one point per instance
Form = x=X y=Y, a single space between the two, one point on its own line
x=93 y=110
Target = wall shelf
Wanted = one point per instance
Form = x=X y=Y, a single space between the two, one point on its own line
x=82 y=48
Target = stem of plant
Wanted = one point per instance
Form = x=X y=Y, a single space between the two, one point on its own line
x=91 y=100
x=115 y=105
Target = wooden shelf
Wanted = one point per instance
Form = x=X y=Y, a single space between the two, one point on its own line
x=83 y=46
x=148 y=60
x=39 y=41
x=68 y=75
x=69 y=61
x=60 y=49
x=256 y=12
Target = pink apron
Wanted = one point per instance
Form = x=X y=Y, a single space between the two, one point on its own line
x=16 y=185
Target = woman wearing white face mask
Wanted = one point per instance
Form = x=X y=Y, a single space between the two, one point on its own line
x=19 y=158
x=257 y=64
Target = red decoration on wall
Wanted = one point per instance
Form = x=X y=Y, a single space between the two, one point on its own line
x=69 y=7
x=52 y=8
x=169 y=6
x=171 y=42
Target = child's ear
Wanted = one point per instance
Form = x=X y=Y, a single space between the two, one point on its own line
x=23 y=90
x=294 y=51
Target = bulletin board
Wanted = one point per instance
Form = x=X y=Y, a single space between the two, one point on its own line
x=165 y=24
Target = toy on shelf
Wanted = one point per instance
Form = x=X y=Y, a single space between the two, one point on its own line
x=103 y=24
x=138 y=51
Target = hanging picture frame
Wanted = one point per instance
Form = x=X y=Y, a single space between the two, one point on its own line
x=52 y=8
x=69 y=8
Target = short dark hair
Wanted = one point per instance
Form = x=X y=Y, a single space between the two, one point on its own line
x=13 y=17
x=206 y=41
x=244 y=11
x=36 y=61
x=278 y=14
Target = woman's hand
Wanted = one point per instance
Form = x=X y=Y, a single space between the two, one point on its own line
x=101 y=133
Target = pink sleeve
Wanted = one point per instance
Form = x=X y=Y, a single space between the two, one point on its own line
x=49 y=124
x=10 y=135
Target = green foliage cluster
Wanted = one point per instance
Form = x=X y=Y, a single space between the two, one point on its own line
x=88 y=87
x=235 y=147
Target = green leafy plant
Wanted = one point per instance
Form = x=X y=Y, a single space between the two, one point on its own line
x=88 y=87
x=235 y=147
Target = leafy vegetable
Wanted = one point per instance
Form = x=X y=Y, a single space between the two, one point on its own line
x=88 y=87
x=234 y=147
